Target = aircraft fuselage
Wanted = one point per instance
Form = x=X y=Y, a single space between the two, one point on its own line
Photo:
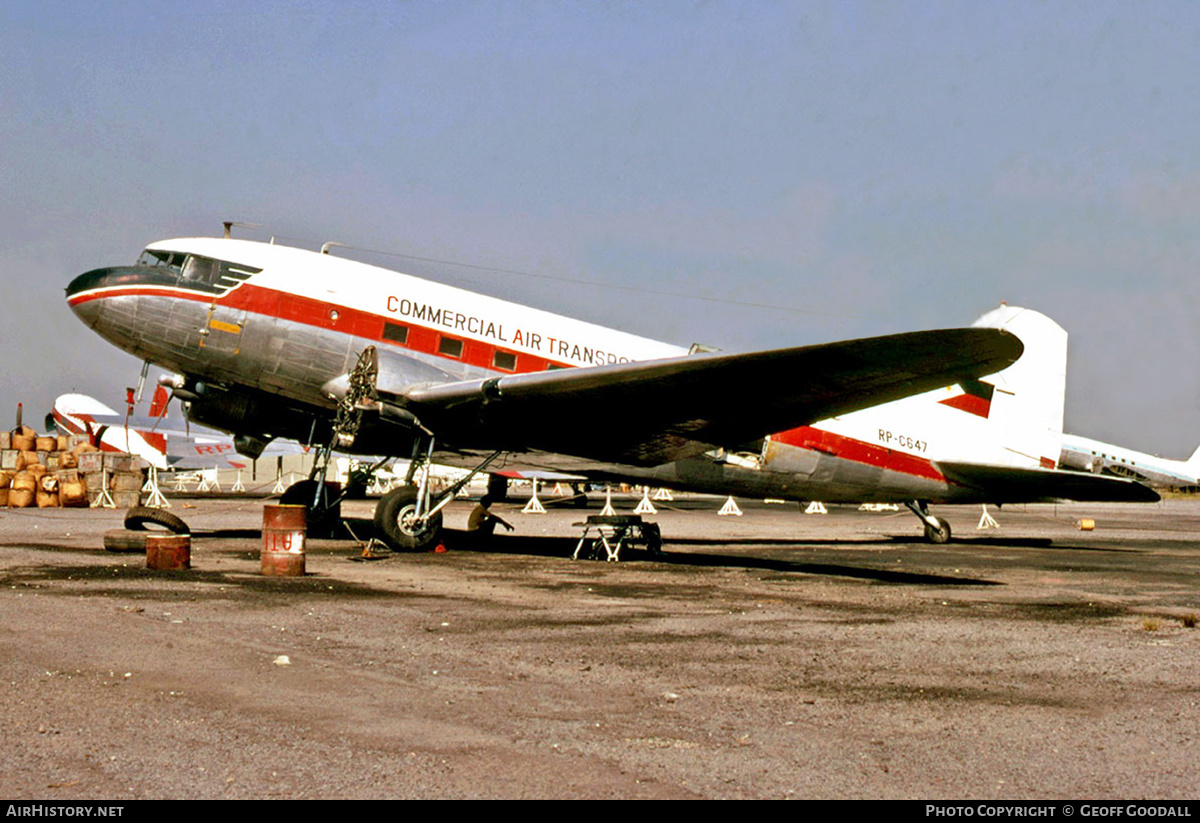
x=261 y=332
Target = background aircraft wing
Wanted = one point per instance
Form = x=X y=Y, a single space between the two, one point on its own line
x=140 y=422
x=1027 y=484
x=652 y=412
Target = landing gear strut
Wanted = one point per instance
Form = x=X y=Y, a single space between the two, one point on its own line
x=409 y=518
x=400 y=526
x=324 y=502
x=937 y=530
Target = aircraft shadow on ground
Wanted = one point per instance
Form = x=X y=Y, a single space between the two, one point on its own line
x=560 y=547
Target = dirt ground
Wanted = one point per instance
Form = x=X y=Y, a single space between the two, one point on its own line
x=773 y=655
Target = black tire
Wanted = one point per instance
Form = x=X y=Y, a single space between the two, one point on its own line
x=141 y=518
x=393 y=522
x=120 y=540
x=497 y=488
x=323 y=519
x=653 y=535
x=939 y=535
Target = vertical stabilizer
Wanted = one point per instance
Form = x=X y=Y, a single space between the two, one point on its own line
x=1193 y=462
x=1030 y=395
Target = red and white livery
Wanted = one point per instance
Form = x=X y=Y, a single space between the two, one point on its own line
x=269 y=341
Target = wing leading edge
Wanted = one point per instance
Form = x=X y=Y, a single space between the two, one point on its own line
x=652 y=412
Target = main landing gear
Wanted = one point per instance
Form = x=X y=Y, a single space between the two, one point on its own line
x=409 y=518
x=937 y=530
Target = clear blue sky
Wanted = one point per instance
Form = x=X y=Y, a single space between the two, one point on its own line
x=860 y=168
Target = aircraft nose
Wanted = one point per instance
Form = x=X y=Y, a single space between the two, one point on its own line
x=82 y=292
x=86 y=282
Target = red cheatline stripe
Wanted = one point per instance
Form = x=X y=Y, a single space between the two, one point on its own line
x=847 y=448
x=304 y=310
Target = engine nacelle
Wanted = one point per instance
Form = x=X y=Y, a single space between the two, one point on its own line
x=253 y=419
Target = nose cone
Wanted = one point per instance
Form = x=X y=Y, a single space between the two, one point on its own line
x=83 y=295
x=96 y=279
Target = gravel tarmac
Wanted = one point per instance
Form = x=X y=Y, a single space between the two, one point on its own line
x=773 y=655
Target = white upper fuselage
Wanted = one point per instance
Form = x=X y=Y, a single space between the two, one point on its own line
x=360 y=291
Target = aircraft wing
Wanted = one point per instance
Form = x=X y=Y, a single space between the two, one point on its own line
x=139 y=422
x=1010 y=483
x=652 y=412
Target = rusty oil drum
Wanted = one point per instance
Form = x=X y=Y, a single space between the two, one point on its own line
x=284 y=529
x=168 y=552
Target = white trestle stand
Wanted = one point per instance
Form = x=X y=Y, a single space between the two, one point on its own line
x=534 y=506
x=156 y=499
x=986 y=521
x=645 y=507
x=608 y=510
x=104 y=499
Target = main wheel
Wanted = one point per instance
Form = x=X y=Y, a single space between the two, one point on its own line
x=939 y=535
x=497 y=488
x=653 y=535
x=397 y=524
x=323 y=518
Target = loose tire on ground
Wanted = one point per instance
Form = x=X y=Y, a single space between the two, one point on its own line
x=121 y=540
x=395 y=526
x=141 y=518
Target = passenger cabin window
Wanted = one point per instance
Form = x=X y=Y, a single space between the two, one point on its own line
x=395 y=333
x=505 y=360
x=450 y=347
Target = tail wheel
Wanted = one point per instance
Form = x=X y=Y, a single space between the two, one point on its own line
x=938 y=535
x=397 y=523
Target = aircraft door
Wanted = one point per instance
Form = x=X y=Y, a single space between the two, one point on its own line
x=222 y=332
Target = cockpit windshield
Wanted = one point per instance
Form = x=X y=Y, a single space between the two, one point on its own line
x=159 y=258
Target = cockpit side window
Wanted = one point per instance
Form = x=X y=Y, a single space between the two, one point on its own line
x=202 y=271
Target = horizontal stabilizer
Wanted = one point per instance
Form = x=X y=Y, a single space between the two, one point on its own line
x=651 y=412
x=1004 y=484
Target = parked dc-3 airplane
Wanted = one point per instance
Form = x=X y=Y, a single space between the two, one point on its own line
x=1087 y=455
x=269 y=341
